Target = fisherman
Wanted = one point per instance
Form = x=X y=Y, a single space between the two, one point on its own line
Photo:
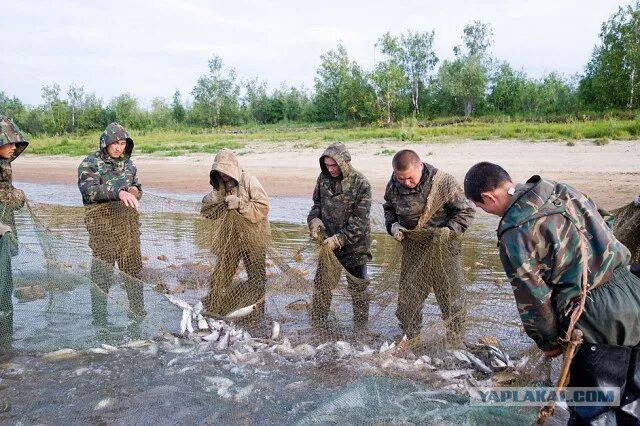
x=12 y=143
x=108 y=182
x=238 y=206
x=554 y=243
x=407 y=208
x=340 y=215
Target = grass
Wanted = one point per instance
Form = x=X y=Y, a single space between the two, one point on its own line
x=172 y=143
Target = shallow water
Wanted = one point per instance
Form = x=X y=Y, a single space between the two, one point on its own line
x=146 y=389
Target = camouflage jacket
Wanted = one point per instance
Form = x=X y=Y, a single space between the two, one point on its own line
x=406 y=205
x=539 y=240
x=343 y=204
x=10 y=198
x=101 y=178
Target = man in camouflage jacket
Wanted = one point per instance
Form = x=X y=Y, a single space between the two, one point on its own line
x=340 y=211
x=406 y=198
x=12 y=143
x=548 y=231
x=110 y=190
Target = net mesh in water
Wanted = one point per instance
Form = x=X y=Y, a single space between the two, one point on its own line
x=88 y=280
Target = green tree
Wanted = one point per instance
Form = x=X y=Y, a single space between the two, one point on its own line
x=465 y=78
x=160 y=113
x=14 y=108
x=612 y=75
x=177 y=109
x=75 y=97
x=414 y=52
x=507 y=90
x=56 y=110
x=125 y=108
x=342 y=88
x=390 y=82
x=92 y=115
x=216 y=95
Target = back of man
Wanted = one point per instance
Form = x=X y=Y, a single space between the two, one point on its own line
x=554 y=244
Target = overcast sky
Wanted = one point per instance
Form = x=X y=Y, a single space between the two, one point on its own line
x=152 y=48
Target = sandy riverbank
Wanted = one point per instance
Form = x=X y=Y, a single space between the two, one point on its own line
x=610 y=173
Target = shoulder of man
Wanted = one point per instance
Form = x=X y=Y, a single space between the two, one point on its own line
x=90 y=161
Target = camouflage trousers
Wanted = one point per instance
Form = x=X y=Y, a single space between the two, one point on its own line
x=123 y=250
x=431 y=266
x=327 y=278
x=225 y=296
x=7 y=247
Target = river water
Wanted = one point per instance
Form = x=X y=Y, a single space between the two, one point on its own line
x=170 y=386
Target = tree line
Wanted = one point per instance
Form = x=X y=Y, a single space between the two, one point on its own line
x=408 y=81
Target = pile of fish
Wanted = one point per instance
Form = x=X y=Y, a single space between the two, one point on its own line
x=457 y=370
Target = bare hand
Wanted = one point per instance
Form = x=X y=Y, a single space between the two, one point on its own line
x=134 y=191
x=128 y=199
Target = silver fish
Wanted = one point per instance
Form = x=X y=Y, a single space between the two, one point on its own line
x=242 y=312
x=224 y=342
x=275 y=331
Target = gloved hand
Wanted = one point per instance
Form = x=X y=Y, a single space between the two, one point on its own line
x=315 y=226
x=333 y=242
x=18 y=198
x=232 y=202
x=4 y=229
x=134 y=191
x=636 y=201
x=397 y=231
x=442 y=232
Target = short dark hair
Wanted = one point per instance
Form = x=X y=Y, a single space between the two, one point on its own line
x=404 y=160
x=483 y=177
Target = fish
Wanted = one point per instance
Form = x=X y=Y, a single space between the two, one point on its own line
x=136 y=344
x=100 y=351
x=275 y=331
x=452 y=374
x=242 y=312
x=202 y=323
x=107 y=402
x=224 y=342
x=109 y=347
x=179 y=302
x=62 y=354
x=213 y=337
x=185 y=323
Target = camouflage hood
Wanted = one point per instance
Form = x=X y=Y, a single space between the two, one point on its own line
x=9 y=133
x=224 y=162
x=532 y=200
x=337 y=151
x=114 y=133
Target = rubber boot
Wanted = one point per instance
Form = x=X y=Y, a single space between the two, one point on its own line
x=629 y=412
x=594 y=366
x=360 y=312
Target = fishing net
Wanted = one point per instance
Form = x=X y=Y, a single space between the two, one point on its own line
x=627 y=229
x=88 y=282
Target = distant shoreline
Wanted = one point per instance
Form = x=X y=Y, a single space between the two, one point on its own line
x=609 y=174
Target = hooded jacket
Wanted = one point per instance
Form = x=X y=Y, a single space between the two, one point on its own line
x=539 y=240
x=254 y=201
x=101 y=177
x=343 y=204
x=10 y=198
